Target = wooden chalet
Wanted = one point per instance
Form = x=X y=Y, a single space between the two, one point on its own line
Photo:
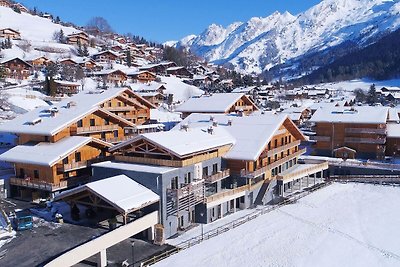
x=10 y=33
x=114 y=77
x=17 y=68
x=298 y=115
x=361 y=128
x=142 y=76
x=5 y=3
x=156 y=98
x=44 y=168
x=68 y=61
x=105 y=57
x=89 y=64
x=218 y=103
x=39 y=62
x=67 y=88
x=78 y=38
x=21 y=7
x=181 y=72
x=155 y=68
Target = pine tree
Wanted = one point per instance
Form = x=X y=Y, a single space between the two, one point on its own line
x=61 y=37
x=85 y=50
x=128 y=58
x=80 y=51
x=8 y=44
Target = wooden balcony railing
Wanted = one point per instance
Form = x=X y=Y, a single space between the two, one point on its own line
x=258 y=172
x=304 y=172
x=100 y=128
x=46 y=186
x=320 y=138
x=244 y=108
x=195 y=187
x=226 y=193
x=218 y=176
x=72 y=166
x=365 y=131
x=277 y=150
x=377 y=141
x=124 y=108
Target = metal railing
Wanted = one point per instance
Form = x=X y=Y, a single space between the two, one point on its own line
x=365 y=131
x=304 y=172
x=46 y=186
x=229 y=226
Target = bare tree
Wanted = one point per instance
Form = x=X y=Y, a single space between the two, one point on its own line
x=100 y=24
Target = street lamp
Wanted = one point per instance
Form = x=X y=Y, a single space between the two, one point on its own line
x=133 y=253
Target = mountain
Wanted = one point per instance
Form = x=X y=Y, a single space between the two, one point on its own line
x=262 y=43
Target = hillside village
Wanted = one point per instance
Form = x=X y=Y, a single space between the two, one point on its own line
x=98 y=131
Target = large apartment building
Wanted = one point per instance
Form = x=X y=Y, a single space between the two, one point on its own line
x=358 y=131
x=57 y=144
x=213 y=166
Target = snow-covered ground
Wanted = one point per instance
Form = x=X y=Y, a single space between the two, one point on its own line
x=364 y=84
x=340 y=225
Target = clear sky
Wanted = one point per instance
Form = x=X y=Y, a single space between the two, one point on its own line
x=163 y=20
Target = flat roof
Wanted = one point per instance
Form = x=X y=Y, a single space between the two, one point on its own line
x=358 y=114
x=134 y=167
x=210 y=103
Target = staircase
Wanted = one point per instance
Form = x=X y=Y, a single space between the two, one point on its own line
x=263 y=196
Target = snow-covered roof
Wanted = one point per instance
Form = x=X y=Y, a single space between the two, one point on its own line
x=134 y=167
x=393 y=114
x=359 y=114
x=183 y=143
x=251 y=133
x=175 y=68
x=244 y=89
x=120 y=191
x=47 y=154
x=393 y=130
x=67 y=83
x=216 y=103
x=80 y=105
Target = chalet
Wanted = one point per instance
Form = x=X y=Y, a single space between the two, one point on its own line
x=199 y=70
x=78 y=38
x=67 y=88
x=5 y=3
x=16 y=68
x=154 y=68
x=219 y=169
x=179 y=72
x=10 y=33
x=227 y=83
x=47 y=16
x=361 y=128
x=21 y=7
x=88 y=64
x=150 y=87
x=218 y=103
x=117 y=48
x=43 y=169
x=111 y=76
x=298 y=114
x=121 y=40
x=105 y=57
x=142 y=76
x=38 y=62
x=68 y=61
x=155 y=98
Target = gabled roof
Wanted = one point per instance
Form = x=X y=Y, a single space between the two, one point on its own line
x=48 y=154
x=106 y=52
x=359 y=114
x=183 y=143
x=216 y=103
x=251 y=133
x=80 y=106
x=3 y=61
x=120 y=192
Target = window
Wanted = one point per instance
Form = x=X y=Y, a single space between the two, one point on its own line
x=282 y=154
x=109 y=104
x=276 y=157
x=36 y=174
x=205 y=171
x=174 y=183
x=188 y=178
x=79 y=123
x=115 y=133
x=276 y=143
x=282 y=140
x=285 y=140
x=106 y=122
x=288 y=152
x=215 y=168
x=103 y=135
x=46 y=139
x=92 y=122
x=269 y=160
x=269 y=145
x=22 y=172
x=181 y=221
x=65 y=160
x=78 y=156
x=119 y=104
x=290 y=138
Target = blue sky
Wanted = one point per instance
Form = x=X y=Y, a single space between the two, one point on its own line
x=163 y=20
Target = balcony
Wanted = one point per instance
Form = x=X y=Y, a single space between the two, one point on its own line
x=365 y=131
x=226 y=193
x=114 y=140
x=303 y=170
x=218 y=176
x=72 y=166
x=195 y=187
x=278 y=150
x=320 y=138
x=258 y=172
x=46 y=186
x=116 y=109
x=374 y=141
x=94 y=129
x=244 y=108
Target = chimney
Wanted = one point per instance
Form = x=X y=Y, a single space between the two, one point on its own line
x=210 y=130
x=215 y=123
x=230 y=122
x=211 y=118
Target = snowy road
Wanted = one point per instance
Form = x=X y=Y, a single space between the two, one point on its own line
x=341 y=225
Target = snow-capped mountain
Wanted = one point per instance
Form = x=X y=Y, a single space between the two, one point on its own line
x=262 y=43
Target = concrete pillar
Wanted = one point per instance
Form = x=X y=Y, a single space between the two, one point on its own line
x=234 y=205
x=221 y=212
x=315 y=178
x=102 y=258
x=308 y=180
x=301 y=183
x=150 y=233
x=282 y=190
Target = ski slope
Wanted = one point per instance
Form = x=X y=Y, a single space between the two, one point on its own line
x=340 y=225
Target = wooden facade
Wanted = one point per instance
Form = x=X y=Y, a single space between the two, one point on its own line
x=114 y=77
x=143 y=77
x=105 y=57
x=68 y=88
x=180 y=72
x=368 y=140
x=10 y=33
x=5 y=3
x=78 y=38
x=17 y=68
